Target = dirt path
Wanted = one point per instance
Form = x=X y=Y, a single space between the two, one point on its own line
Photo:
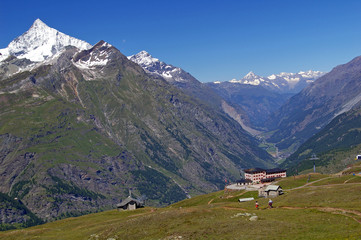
x=320 y=186
x=307 y=184
x=339 y=211
x=348 y=180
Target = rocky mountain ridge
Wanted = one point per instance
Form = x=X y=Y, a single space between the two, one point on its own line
x=155 y=66
x=191 y=86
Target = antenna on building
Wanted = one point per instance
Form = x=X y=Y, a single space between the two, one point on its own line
x=314 y=158
x=130 y=192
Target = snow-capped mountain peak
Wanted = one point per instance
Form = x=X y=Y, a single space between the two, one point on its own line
x=40 y=42
x=144 y=59
x=154 y=66
x=282 y=82
x=38 y=24
x=97 y=56
x=250 y=75
x=251 y=78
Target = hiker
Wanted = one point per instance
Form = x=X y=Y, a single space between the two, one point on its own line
x=270 y=203
x=257 y=205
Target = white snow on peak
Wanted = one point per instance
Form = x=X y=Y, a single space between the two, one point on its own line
x=154 y=66
x=143 y=58
x=272 y=77
x=283 y=82
x=98 y=57
x=40 y=42
x=251 y=78
x=250 y=75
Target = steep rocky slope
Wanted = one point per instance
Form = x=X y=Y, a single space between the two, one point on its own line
x=336 y=145
x=191 y=86
x=178 y=78
x=257 y=102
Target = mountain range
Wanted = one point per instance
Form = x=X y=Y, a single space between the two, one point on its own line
x=259 y=97
x=82 y=124
x=249 y=101
x=280 y=83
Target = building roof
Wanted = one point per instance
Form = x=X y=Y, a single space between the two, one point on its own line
x=272 y=188
x=254 y=170
x=128 y=200
x=268 y=171
x=275 y=170
x=268 y=179
x=242 y=180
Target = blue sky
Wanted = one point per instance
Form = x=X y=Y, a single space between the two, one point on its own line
x=213 y=40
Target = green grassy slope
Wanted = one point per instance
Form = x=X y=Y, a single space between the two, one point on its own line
x=322 y=209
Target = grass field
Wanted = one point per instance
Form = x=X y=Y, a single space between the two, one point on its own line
x=300 y=180
x=326 y=209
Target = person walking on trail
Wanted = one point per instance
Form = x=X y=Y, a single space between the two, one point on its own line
x=257 y=205
x=270 y=202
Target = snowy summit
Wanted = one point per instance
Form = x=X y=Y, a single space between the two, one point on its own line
x=154 y=66
x=283 y=82
x=40 y=42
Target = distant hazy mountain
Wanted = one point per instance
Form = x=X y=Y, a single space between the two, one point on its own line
x=260 y=96
x=281 y=83
x=83 y=125
x=313 y=108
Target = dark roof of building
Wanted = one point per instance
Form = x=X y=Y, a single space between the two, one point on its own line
x=268 y=179
x=275 y=170
x=128 y=200
x=254 y=170
x=268 y=171
x=242 y=180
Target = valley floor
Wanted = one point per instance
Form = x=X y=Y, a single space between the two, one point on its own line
x=313 y=207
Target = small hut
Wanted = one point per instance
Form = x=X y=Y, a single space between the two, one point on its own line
x=270 y=191
x=130 y=204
